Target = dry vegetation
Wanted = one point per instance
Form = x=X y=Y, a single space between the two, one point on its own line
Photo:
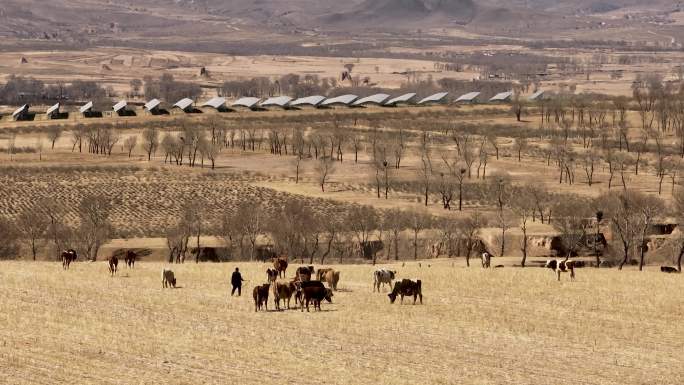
x=476 y=326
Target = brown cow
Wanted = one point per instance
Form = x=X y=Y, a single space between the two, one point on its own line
x=321 y=272
x=260 y=294
x=283 y=291
x=332 y=277
x=407 y=287
x=315 y=292
x=280 y=265
x=129 y=259
x=68 y=256
x=113 y=265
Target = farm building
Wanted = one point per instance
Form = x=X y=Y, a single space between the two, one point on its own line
x=183 y=105
x=377 y=100
x=152 y=107
x=86 y=110
x=216 y=104
x=276 y=102
x=437 y=98
x=502 y=97
x=401 y=100
x=248 y=103
x=470 y=97
x=340 y=101
x=121 y=109
x=21 y=113
x=309 y=101
x=539 y=95
x=53 y=112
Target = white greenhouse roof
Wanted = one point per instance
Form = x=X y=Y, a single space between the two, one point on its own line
x=502 y=96
x=536 y=95
x=120 y=106
x=21 y=110
x=309 y=101
x=405 y=98
x=246 y=102
x=469 y=97
x=86 y=107
x=438 y=97
x=278 y=101
x=374 y=99
x=343 y=99
x=184 y=103
x=216 y=102
x=152 y=104
x=53 y=109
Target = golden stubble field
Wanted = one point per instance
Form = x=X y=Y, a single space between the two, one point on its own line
x=516 y=326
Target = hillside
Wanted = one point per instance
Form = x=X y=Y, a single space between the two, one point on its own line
x=183 y=22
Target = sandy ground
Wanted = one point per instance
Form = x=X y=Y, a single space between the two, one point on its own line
x=503 y=326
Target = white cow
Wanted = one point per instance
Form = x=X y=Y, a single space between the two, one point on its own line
x=382 y=277
x=486 y=260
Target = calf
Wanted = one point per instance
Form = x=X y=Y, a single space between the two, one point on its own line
x=332 y=277
x=113 y=265
x=168 y=278
x=668 y=269
x=68 y=256
x=383 y=277
x=260 y=294
x=562 y=266
x=129 y=259
x=407 y=287
x=315 y=292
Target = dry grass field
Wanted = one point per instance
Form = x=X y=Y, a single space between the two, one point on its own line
x=514 y=326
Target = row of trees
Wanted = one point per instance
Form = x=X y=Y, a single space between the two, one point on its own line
x=45 y=224
x=19 y=90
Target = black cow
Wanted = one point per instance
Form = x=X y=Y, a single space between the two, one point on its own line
x=407 y=287
x=304 y=273
x=668 y=269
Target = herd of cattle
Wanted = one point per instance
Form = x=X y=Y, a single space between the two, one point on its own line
x=306 y=290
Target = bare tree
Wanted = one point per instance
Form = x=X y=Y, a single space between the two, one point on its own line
x=573 y=220
x=95 y=228
x=468 y=229
x=523 y=205
x=649 y=208
x=33 y=226
x=621 y=209
x=54 y=133
x=9 y=246
x=425 y=170
x=396 y=221
x=418 y=222
x=324 y=167
x=499 y=191
x=150 y=138
x=362 y=221
x=129 y=144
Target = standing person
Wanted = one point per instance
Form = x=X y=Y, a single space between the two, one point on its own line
x=236 y=281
